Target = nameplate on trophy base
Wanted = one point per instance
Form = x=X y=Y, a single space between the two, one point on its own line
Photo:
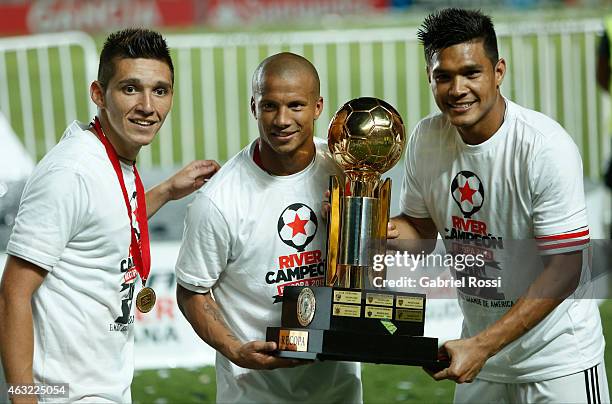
x=293 y=340
x=380 y=299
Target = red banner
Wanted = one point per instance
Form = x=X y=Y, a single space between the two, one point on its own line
x=28 y=17
x=93 y=15
x=237 y=12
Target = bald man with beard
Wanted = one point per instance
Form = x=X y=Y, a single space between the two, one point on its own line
x=250 y=233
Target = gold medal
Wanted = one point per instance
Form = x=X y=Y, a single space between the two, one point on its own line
x=145 y=300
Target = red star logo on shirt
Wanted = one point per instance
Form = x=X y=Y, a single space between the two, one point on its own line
x=466 y=192
x=298 y=225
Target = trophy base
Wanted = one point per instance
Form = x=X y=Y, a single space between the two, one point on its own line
x=349 y=310
x=309 y=344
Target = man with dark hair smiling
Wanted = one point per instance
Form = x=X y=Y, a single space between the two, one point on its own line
x=487 y=169
x=249 y=234
x=80 y=239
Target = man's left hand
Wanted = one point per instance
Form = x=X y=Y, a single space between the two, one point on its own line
x=191 y=178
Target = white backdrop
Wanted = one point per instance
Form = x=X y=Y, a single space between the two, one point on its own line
x=164 y=339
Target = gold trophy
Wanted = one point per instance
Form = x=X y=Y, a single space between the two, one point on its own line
x=349 y=319
x=366 y=138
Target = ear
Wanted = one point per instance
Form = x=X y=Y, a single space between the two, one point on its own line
x=318 y=107
x=96 y=92
x=500 y=72
x=253 y=109
x=428 y=74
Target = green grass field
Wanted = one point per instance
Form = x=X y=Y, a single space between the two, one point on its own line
x=381 y=383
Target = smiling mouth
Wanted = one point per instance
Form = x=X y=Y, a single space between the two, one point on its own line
x=462 y=106
x=284 y=134
x=142 y=122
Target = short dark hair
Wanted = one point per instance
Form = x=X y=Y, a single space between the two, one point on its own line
x=451 y=26
x=132 y=43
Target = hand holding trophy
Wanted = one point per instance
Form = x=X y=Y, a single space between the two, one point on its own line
x=349 y=319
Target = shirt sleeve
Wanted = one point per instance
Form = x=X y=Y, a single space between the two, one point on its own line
x=559 y=207
x=412 y=202
x=52 y=210
x=206 y=246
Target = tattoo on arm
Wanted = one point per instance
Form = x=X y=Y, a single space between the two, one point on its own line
x=213 y=310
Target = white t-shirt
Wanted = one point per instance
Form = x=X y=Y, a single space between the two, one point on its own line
x=72 y=222
x=248 y=234
x=524 y=183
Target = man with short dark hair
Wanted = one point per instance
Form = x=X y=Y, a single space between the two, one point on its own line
x=486 y=173
x=255 y=229
x=80 y=239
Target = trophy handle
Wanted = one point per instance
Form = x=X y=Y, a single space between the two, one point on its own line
x=333 y=230
x=384 y=205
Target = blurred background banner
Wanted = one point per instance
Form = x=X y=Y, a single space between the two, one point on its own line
x=235 y=12
x=18 y=17
x=27 y=17
x=163 y=338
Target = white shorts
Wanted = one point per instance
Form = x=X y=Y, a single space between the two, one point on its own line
x=589 y=386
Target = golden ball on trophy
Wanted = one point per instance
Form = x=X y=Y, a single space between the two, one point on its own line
x=366 y=134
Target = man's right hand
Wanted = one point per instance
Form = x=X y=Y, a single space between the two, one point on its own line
x=258 y=355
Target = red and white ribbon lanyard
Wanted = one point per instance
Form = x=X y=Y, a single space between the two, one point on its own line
x=141 y=252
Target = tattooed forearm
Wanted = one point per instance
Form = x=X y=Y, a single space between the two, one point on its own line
x=207 y=320
x=213 y=310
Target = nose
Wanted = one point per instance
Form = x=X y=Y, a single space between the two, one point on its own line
x=145 y=104
x=282 y=118
x=458 y=88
